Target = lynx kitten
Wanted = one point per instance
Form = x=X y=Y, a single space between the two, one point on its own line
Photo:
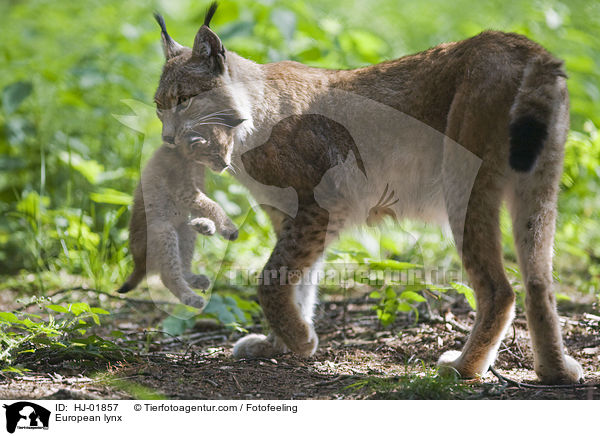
x=161 y=234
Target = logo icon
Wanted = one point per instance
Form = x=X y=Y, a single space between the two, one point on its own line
x=26 y=415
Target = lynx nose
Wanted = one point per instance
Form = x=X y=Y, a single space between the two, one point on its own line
x=220 y=163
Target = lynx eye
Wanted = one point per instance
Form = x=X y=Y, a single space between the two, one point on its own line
x=184 y=103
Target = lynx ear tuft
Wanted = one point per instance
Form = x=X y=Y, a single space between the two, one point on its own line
x=171 y=48
x=208 y=48
x=210 y=12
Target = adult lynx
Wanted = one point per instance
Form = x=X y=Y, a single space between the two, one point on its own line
x=494 y=107
x=161 y=234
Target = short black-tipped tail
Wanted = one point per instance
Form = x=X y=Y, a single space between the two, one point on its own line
x=134 y=279
x=527 y=137
x=532 y=111
x=125 y=288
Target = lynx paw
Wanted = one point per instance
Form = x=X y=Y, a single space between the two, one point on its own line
x=307 y=346
x=204 y=226
x=574 y=370
x=254 y=345
x=572 y=373
x=198 y=281
x=449 y=363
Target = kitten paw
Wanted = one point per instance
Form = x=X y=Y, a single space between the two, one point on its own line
x=194 y=300
x=204 y=226
x=198 y=281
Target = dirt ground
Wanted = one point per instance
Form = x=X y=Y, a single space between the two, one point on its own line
x=356 y=359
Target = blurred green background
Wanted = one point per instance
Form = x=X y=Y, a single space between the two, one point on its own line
x=68 y=166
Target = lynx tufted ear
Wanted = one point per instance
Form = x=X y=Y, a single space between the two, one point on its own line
x=171 y=48
x=208 y=48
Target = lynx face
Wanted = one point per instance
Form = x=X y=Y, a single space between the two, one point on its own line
x=194 y=102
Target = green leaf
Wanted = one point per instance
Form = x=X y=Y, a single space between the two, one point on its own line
x=9 y=317
x=404 y=307
x=467 y=292
x=111 y=196
x=100 y=311
x=175 y=326
x=393 y=265
x=412 y=296
x=14 y=94
x=79 y=308
x=57 y=308
x=88 y=168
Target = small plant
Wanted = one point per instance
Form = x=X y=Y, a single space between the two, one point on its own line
x=395 y=296
x=426 y=385
x=230 y=310
x=63 y=336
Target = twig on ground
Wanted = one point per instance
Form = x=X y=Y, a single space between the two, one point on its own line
x=457 y=326
x=211 y=382
x=334 y=380
x=96 y=291
x=237 y=383
x=505 y=380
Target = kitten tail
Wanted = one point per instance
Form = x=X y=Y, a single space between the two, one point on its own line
x=134 y=279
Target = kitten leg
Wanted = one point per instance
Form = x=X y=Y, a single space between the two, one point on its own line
x=287 y=293
x=187 y=243
x=165 y=242
x=202 y=206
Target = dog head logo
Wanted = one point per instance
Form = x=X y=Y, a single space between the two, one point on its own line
x=26 y=415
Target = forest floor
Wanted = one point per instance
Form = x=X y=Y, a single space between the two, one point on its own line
x=357 y=359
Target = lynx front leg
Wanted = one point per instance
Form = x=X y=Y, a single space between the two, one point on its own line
x=287 y=294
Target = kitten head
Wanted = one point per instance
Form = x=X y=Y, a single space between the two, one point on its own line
x=195 y=98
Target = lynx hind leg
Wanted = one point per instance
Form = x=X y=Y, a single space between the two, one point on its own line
x=482 y=259
x=172 y=274
x=473 y=206
x=533 y=209
x=289 y=307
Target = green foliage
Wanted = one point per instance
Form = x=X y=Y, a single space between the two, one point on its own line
x=77 y=93
x=63 y=335
x=428 y=385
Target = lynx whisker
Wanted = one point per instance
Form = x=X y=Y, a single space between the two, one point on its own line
x=211 y=124
x=222 y=112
